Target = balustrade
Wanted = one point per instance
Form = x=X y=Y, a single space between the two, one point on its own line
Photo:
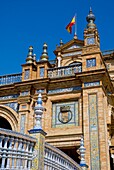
x=56 y=159
x=64 y=71
x=16 y=150
x=9 y=79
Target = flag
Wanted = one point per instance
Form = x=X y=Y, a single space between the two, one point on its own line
x=69 y=26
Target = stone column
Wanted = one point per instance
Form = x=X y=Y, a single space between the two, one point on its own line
x=39 y=134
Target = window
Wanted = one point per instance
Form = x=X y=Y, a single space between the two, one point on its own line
x=91 y=62
x=27 y=73
x=41 y=71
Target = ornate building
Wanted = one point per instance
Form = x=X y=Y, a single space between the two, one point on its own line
x=78 y=97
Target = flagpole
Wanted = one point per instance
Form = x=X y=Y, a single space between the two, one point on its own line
x=75 y=25
x=75 y=32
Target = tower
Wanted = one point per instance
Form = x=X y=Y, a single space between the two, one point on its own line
x=96 y=84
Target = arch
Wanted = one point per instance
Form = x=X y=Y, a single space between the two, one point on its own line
x=4 y=123
x=10 y=115
x=69 y=62
x=75 y=63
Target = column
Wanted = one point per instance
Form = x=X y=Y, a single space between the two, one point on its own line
x=39 y=134
x=4 y=152
x=9 y=153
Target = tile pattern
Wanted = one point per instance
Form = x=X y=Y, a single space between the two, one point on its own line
x=9 y=97
x=93 y=126
x=89 y=84
x=70 y=89
x=13 y=105
x=38 y=153
x=22 y=123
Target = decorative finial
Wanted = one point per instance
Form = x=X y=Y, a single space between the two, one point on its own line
x=82 y=152
x=30 y=55
x=38 y=110
x=61 y=42
x=44 y=53
x=90 y=19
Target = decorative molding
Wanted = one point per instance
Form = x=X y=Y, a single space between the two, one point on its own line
x=93 y=126
x=89 y=84
x=13 y=96
x=70 y=89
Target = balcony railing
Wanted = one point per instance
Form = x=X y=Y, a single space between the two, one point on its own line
x=64 y=71
x=56 y=159
x=11 y=78
x=16 y=150
x=107 y=52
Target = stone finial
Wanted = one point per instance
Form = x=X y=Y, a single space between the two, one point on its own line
x=82 y=152
x=90 y=19
x=38 y=110
x=29 y=58
x=44 y=53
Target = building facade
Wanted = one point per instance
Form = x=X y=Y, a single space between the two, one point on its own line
x=78 y=97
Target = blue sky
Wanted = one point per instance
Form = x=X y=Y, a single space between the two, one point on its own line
x=33 y=22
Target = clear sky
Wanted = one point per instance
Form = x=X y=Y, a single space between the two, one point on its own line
x=33 y=22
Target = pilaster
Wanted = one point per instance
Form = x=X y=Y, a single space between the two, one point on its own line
x=39 y=150
x=95 y=133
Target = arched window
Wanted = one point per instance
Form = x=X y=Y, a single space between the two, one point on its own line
x=77 y=67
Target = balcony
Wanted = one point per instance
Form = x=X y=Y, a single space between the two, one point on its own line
x=64 y=71
x=10 y=79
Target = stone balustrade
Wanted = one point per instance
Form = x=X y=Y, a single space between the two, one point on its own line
x=56 y=159
x=64 y=71
x=11 y=78
x=16 y=150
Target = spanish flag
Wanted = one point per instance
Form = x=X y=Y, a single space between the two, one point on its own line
x=69 y=26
